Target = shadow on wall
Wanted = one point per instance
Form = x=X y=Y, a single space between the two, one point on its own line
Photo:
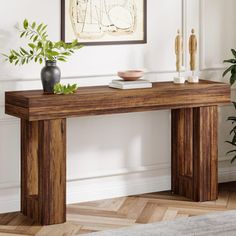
x=106 y=145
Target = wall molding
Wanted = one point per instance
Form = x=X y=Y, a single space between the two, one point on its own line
x=107 y=174
x=166 y=166
x=138 y=181
x=202 y=37
x=227 y=174
x=81 y=77
x=119 y=188
x=185 y=32
x=89 y=189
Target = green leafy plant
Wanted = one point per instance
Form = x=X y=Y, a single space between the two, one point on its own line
x=232 y=70
x=65 y=89
x=233 y=133
x=40 y=48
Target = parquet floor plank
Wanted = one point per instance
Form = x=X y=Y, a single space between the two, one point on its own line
x=119 y=212
x=147 y=213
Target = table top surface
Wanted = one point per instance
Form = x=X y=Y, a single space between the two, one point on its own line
x=95 y=100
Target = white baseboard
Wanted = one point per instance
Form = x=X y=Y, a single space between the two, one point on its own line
x=96 y=189
x=9 y=199
x=227 y=172
x=110 y=187
x=118 y=187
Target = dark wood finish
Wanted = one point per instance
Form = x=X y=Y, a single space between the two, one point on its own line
x=43 y=137
x=206 y=153
x=29 y=177
x=182 y=151
x=43 y=173
x=34 y=105
x=194 y=153
x=106 y=42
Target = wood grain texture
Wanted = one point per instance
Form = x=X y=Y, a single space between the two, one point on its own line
x=52 y=171
x=43 y=138
x=34 y=105
x=29 y=166
x=43 y=171
x=206 y=153
x=182 y=151
x=195 y=153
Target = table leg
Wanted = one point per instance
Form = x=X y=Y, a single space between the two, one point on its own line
x=43 y=170
x=195 y=153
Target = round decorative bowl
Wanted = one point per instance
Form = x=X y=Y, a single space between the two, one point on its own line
x=130 y=75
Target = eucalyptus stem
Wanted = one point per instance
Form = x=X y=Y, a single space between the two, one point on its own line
x=40 y=48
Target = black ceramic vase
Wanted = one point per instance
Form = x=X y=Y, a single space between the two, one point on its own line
x=50 y=75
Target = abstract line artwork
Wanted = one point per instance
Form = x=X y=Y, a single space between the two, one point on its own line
x=104 y=21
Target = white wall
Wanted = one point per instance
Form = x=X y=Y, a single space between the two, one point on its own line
x=122 y=154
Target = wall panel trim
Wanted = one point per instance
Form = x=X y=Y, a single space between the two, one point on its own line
x=202 y=38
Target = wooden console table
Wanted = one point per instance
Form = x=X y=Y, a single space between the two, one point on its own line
x=43 y=138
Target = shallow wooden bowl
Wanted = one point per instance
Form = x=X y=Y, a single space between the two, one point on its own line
x=131 y=75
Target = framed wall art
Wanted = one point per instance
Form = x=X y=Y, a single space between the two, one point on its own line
x=100 y=22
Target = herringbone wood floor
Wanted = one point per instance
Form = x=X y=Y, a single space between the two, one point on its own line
x=120 y=212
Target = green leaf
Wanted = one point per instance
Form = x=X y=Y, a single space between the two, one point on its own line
x=233 y=61
x=53 y=53
x=16 y=53
x=65 y=89
x=50 y=44
x=233 y=159
x=232 y=118
x=234 y=139
x=25 y=24
x=33 y=25
x=229 y=142
x=233 y=78
x=3 y=54
x=32 y=45
x=66 y=53
x=39 y=27
x=79 y=47
x=44 y=35
x=233 y=130
x=234 y=103
x=228 y=70
x=57 y=44
x=229 y=152
x=233 y=52
x=40 y=45
x=11 y=56
x=22 y=34
x=24 y=51
x=35 y=38
x=44 y=28
x=61 y=59
x=74 y=43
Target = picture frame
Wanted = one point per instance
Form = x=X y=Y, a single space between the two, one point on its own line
x=104 y=22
